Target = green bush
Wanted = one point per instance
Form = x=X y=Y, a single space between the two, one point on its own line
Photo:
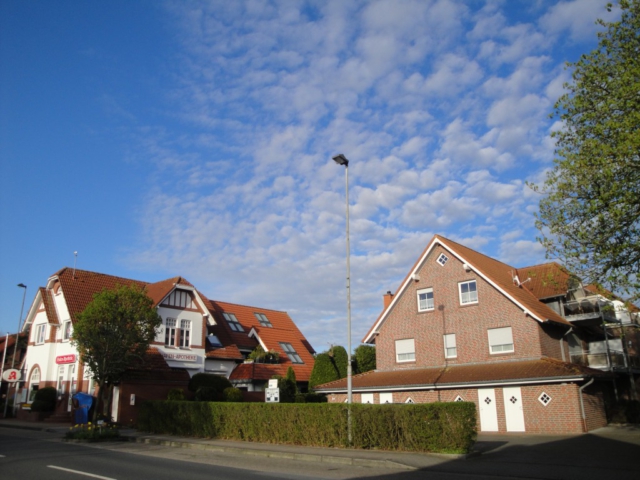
x=93 y=433
x=365 y=358
x=216 y=383
x=175 y=394
x=233 y=394
x=208 y=394
x=427 y=427
x=45 y=400
x=310 y=398
x=324 y=370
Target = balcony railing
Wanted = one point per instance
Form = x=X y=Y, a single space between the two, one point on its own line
x=589 y=308
x=603 y=361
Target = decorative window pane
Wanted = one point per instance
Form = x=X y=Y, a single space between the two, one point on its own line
x=262 y=318
x=450 y=349
x=405 y=350
x=459 y=399
x=500 y=340
x=425 y=299
x=233 y=322
x=442 y=259
x=291 y=353
x=468 y=292
x=544 y=399
x=185 y=333
x=409 y=400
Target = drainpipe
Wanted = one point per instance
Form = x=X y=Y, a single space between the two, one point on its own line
x=562 y=345
x=584 y=417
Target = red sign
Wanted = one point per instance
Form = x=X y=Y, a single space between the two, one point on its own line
x=66 y=358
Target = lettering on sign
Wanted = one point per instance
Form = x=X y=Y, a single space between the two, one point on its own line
x=180 y=357
x=71 y=358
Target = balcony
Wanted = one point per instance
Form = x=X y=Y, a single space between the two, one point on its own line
x=600 y=360
x=590 y=309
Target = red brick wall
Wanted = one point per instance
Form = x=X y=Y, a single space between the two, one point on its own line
x=468 y=322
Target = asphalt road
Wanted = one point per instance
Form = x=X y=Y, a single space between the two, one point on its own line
x=608 y=454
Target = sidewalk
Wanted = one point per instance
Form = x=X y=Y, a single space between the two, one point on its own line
x=371 y=458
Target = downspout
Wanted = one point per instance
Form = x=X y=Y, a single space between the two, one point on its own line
x=562 y=345
x=584 y=416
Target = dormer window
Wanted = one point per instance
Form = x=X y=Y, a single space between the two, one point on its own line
x=264 y=321
x=214 y=341
x=233 y=322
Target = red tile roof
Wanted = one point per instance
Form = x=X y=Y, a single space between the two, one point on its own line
x=261 y=371
x=544 y=369
x=230 y=352
x=545 y=280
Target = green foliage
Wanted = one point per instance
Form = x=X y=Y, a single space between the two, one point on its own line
x=323 y=371
x=365 y=356
x=233 y=394
x=258 y=355
x=113 y=333
x=45 y=400
x=287 y=388
x=175 y=394
x=625 y=412
x=217 y=382
x=93 y=433
x=310 y=398
x=209 y=394
x=340 y=359
x=590 y=214
x=431 y=427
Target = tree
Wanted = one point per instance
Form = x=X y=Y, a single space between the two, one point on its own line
x=323 y=371
x=113 y=333
x=340 y=359
x=590 y=215
x=365 y=358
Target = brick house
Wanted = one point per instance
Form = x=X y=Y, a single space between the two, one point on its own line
x=465 y=327
x=196 y=335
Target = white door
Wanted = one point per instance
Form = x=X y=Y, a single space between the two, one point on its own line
x=488 y=410
x=513 y=409
x=115 y=401
x=386 y=397
x=367 y=398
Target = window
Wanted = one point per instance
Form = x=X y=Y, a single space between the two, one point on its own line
x=468 y=292
x=544 y=399
x=366 y=398
x=459 y=399
x=34 y=384
x=40 y=332
x=233 y=322
x=262 y=318
x=170 y=332
x=405 y=350
x=185 y=333
x=450 y=350
x=214 y=341
x=60 y=385
x=425 y=299
x=442 y=259
x=291 y=353
x=500 y=340
x=66 y=330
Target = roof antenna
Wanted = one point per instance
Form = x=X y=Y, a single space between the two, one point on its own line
x=75 y=259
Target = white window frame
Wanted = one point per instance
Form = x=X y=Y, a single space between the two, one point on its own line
x=66 y=331
x=170 y=332
x=366 y=398
x=233 y=322
x=427 y=304
x=41 y=331
x=262 y=318
x=185 y=334
x=469 y=297
x=291 y=352
x=450 y=347
x=442 y=259
x=405 y=350
x=34 y=383
x=500 y=340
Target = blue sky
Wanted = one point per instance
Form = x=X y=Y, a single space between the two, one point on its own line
x=195 y=138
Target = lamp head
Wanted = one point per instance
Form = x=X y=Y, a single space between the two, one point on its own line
x=340 y=159
x=22 y=285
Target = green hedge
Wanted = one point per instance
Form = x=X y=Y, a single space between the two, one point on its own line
x=428 y=427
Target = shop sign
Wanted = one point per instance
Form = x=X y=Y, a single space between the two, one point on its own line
x=71 y=358
x=180 y=357
x=11 y=375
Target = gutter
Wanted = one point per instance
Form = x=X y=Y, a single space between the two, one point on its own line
x=584 y=417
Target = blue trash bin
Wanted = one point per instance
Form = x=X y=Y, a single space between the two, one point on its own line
x=82 y=402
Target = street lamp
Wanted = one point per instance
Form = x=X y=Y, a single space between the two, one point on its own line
x=342 y=160
x=15 y=349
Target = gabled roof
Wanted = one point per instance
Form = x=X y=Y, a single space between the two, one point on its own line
x=545 y=280
x=497 y=273
x=522 y=372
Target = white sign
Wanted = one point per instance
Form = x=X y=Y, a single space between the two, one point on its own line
x=180 y=357
x=11 y=375
x=272 y=395
x=273 y=383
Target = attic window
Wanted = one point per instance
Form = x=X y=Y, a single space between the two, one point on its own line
x=264 y=321
x=442 y=259
x=233 y=322
x=459 y=399
x=291 y=353
x=214 y=341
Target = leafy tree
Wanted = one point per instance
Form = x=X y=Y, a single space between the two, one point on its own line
x=113 y=333
x=323 y=371
x=287 y=389
x=291 y=377
x=590 y=214
x=365 y=358
x=340 y=359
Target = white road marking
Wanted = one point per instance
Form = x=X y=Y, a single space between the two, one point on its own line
x=81 y=473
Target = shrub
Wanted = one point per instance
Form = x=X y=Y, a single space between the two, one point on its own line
x=93 y=433
x=217 y=382
x=340 y=359
x=365 y=358
x=323 y=370
x=208 y=394
x=175 y=394
x=233 y=394
x=310 y=398
x=626 y=412
x=45 y=400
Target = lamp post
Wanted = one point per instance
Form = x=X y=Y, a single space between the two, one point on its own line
x=342 y=160
x=15 y=349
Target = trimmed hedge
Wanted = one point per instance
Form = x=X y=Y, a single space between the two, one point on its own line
x=427 y=427
x=45 y=400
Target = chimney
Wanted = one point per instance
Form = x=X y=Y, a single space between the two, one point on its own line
x=386 y=299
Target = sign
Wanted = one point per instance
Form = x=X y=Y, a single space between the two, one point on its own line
x=61 y=359
x=272 y=395
x=11 y=375
x=180 y=357
x=273 y=383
